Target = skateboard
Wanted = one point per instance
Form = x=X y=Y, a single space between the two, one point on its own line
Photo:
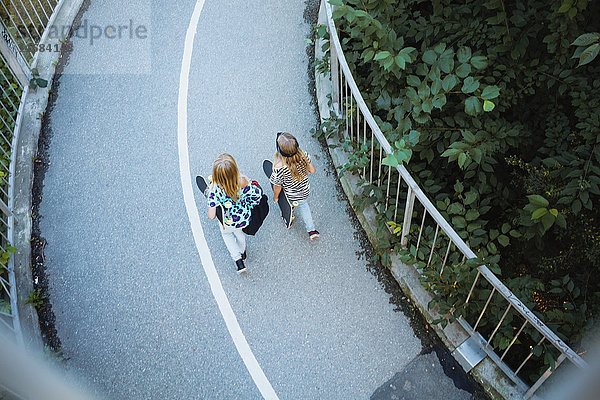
x=202 y=185
x=287 y=210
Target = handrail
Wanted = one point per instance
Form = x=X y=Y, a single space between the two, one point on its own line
x=414 y=190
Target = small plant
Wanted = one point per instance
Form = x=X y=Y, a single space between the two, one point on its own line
x=5 y=306
x=53 y=355
x=5 y=254
x=36 y=298
x=321 y=65
x=329 y=126
x=36 y=81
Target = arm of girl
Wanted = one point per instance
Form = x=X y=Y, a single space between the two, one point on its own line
x=311 y=168
x=212 y=212
x=276 y=191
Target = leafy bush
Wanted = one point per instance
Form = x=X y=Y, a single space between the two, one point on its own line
x=506 y=117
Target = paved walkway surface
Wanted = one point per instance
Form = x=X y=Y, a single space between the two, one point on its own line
x=136 y=314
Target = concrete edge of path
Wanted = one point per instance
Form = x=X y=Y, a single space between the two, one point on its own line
x=487 y=373
x=34 y=108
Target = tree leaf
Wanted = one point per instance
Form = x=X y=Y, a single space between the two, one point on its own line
x=472 y=106
x=381 y=55
x=439 y=100
x=490 y=92
x=470 y=197
x=565 y=6
x=470 y=85
x=387 y=63
x=390 y=160
x=548 y=220
x=429 y=57
x=413 y=80
x=589 y=54
x=458 y=187
x=538 y=200
x=436 y=85
x=463 y=70
x=400 y=62
x=503 y=240
x=450 y=152
x=576 y=206
x=439 y=48
x=518 y=20
x=449 y=82
x=539 y=213
x=561 y=221
x=462 y=158
x=427 y=105
x=464 y=54
x=479 y=62
x=488 y=106
x=472 y=215
x=586 y=39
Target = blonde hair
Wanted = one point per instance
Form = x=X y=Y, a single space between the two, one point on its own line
x=226 y=175
x=297 y=163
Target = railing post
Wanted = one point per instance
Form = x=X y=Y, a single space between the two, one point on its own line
x=11 y=58
x=408 y=210
x=335 y=76
x=543 y=378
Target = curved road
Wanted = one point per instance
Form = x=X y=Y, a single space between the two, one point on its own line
x=136 y=311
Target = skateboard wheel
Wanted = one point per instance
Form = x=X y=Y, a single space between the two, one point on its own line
x=209 y=178
x=293 y=217
x=295 y=204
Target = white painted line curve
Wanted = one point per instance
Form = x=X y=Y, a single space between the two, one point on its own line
x=261 y=381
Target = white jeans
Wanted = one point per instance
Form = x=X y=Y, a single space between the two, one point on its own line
x=304 y=211
x=235 y=240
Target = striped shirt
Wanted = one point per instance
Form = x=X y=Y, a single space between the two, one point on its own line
x=294 y=190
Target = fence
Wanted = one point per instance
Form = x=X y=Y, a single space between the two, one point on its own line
x=447 y=248
x=23 y=26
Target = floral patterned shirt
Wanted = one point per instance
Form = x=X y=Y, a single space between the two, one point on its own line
x=236 y=214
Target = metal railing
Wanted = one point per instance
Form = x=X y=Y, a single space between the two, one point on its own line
x=361 y=129
x=23 y=26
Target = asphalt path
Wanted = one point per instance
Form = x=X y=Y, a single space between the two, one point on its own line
x=147 y=301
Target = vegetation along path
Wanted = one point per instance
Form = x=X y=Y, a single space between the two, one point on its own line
x=146 y=298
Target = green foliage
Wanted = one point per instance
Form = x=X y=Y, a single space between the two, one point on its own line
x=329 y=126
x=507 y=149
x=4 y=306
x=36 y=81
x=321 y=65
x=588 y=47
x=401 y=152
x=36 y=298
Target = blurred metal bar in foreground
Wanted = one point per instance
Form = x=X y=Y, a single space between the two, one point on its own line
x=27 y=377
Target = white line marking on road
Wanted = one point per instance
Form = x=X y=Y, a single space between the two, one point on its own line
x=261 y=381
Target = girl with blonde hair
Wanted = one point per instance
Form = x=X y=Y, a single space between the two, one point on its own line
x=290 y=173
x=237 y=196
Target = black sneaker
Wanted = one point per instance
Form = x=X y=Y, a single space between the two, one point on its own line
x=240 y=266
x=244 y=256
